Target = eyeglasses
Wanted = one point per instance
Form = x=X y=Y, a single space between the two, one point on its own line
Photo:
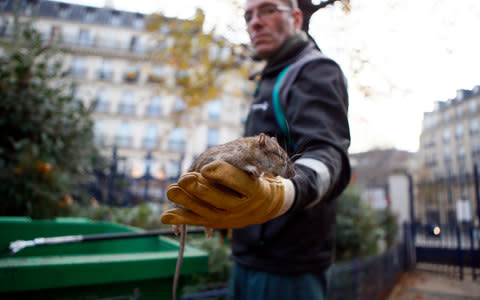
x=265 y=12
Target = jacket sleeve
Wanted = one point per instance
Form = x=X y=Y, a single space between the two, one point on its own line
x=317 y=108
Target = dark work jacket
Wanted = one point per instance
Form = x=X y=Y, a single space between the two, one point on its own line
x=302 y=240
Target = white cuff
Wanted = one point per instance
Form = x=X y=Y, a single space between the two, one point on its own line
x=323 y=177
x=288 y=196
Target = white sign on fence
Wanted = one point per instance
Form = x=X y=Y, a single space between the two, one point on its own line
x=464 y=211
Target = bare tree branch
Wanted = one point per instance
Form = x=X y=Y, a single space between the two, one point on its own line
x=308 y=9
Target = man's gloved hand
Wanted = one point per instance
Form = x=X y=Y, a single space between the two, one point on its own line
x=223 y=196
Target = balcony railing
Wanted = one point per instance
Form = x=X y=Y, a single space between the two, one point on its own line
x=131 y=77
x=176 y=146
x=100 y=140
x=153 y=111
x=78 y=72
x=112 y=45
x=124 y=141
x=105 y=75
x=149 y=143
x=126 y=109
x=153 y=78
x=102 y=107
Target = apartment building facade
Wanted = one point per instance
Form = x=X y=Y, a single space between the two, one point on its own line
x=449 y=150
x=109 y=57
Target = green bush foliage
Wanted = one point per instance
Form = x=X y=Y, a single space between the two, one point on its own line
x=46 y=146
x=145 y=215
x=361 y=230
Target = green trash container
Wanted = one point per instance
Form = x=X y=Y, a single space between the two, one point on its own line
x=139 y=268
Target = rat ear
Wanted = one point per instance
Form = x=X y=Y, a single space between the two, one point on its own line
x=261 y=140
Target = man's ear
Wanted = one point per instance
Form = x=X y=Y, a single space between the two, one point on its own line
x=297 y=19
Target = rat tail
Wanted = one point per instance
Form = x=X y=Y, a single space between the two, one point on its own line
x=183 y=236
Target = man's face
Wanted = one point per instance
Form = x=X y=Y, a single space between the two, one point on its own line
x=269 y=24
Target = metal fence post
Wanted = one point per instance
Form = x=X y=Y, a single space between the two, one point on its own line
x=459 y=250
x=471 y=228
x=477 y=190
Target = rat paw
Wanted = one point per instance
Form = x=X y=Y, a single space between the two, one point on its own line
x=252 y=171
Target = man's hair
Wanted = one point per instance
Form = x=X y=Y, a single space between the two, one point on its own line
x=291 y=3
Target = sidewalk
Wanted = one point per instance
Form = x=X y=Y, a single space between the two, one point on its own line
x=422 y=284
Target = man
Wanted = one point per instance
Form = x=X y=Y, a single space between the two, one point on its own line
x=283 y=235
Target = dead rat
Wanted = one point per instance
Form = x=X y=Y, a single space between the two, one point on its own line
x=255 y=155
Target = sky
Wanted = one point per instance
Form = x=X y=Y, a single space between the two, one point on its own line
x=412 y=54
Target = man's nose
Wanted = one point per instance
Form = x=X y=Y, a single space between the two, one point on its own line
x=255 y=20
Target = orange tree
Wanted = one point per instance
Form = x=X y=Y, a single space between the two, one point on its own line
x=46 y=145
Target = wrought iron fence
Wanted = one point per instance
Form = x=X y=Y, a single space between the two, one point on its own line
x=367 y=278
x=456 y=245
x=115 y=186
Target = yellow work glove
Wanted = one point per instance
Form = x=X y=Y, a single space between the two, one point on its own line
x=223 y=196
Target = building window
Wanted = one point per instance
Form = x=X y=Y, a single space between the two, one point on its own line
x=446 y=117
x=459 y=111
x=64 y=11
x=90 y=15
x=213 y=137
x=154 y=108
x=476 y=149
x=115 y=20
x=428 y=142
x=105 y=71
x=447 y=155
x=124 y=135
x=102 y=105
x=430 y=160
x=177 y=140
x=474 y=128
x=150 y=139
x=446 y=135
x=127 y=104
x=157 y=75
x=135 y=45
x=99 y=133
x=3 y=25
x=131 y=75
x=179 y=104
x=173 y=169
x=459 y=131
x=473 y=106
x=55 y=33
x=214 y=110
x=139 y=22
x=461 y=153
x=31 y=8
x=84 y=37
x=79 y=67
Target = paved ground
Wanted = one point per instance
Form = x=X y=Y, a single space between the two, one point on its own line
x=428 y=284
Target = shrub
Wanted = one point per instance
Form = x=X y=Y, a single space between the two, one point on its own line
x=361 y=230
x=46 y=146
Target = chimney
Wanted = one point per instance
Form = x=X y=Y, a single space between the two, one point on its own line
x=460 y=94
x=109 y=4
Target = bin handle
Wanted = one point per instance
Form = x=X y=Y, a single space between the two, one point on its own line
x=17 y=246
